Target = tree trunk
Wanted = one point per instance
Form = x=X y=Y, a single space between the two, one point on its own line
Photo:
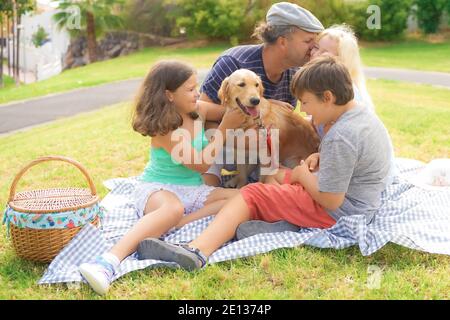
x=18 y=50
x=1 y=50
x=8 y=47
x=91 y=38
x=13 y=49
x=14 y=31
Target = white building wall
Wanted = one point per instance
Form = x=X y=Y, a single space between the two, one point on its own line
x=44 y=61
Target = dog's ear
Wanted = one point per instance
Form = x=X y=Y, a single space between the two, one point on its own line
x=260 y=87
x=222 y=94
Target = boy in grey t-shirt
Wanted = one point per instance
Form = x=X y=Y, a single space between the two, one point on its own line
x=355 y=160
x=346 y=177
x=355 y=156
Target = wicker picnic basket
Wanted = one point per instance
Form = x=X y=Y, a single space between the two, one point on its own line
x=64 y=210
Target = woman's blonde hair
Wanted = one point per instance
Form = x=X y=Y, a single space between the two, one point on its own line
x=348 y=54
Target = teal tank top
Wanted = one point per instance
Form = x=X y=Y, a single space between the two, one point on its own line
x=162 y=168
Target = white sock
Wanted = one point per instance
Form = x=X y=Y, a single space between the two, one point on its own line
x=112 y=259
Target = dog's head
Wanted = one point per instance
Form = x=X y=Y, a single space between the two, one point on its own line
x=242 y=89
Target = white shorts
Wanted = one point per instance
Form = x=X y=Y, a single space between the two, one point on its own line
x=192 y=197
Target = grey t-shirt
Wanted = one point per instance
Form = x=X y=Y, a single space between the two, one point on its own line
x=355 y=159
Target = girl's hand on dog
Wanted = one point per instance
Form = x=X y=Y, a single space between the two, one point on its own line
x=232 y=119
x=312 y=162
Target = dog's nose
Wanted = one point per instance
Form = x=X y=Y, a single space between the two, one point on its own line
x=254 y=101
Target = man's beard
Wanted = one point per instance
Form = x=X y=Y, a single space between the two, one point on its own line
x=296 y=62
x=307 y=58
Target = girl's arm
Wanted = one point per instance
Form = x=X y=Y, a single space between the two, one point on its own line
x=210 y=111
x=178 y=144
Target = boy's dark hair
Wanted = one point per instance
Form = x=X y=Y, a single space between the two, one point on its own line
x=322 y=74
x=154 y=114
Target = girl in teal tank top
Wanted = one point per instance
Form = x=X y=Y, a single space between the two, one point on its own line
x=171 y=185
x=162 y=168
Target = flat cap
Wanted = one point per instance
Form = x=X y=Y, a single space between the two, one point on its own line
x=290 y=14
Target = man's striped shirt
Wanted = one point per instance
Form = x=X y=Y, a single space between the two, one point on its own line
x=247 y=57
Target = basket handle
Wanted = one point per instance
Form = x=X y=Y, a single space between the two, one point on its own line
x=12 y=191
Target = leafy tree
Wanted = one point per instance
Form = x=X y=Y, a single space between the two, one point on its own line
x=149 y=16
x=11 y=12
x=394 y=17
x=39 y=37
x=429 y=13
x=329 y=12
x=224 y=19
x=90 y=18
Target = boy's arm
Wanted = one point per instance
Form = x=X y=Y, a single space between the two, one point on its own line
x=309 y=181
x=337 y=161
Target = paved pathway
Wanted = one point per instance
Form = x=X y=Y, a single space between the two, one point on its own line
x=20 y=115
x=433 y=78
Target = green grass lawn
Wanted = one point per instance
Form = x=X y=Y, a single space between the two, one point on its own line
x=416 y=116
x=410 y=55
x=132 y=66
x=8 y=83
x=417 y=55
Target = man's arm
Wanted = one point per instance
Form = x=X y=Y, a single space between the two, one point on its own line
x=204 y=97
x=208 y=124
x=210 y=110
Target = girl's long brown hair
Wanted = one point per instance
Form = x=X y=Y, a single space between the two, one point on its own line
x=154 y=114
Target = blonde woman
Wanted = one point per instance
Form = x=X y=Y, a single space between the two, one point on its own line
x=340 y=41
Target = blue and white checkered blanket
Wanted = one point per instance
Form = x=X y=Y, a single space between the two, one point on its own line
x=409 y=216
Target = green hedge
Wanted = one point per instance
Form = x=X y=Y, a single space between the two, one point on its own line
x=232 y=20
x=429 y=14
x=394 y=17
x=235 y=20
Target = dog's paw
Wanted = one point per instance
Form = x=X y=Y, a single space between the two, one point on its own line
x=235 y=182
x=232 y=183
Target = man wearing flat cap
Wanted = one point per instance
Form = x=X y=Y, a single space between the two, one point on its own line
x=288 y=37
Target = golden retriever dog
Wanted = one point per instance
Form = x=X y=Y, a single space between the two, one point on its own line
x=243 y=89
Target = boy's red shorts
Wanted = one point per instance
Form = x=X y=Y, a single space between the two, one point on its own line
x=288 y=202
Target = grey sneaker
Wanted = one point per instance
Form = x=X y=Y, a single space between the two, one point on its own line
x=188 y=258
x=254 y=227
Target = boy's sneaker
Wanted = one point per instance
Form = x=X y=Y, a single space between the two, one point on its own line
x=98 y=274
x=254 y=227
x=188 y=258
